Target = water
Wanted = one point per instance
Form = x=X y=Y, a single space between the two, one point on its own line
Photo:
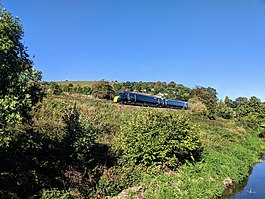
x=254 y=186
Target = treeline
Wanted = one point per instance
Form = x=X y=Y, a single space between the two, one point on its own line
x=204 y=100
x=106 y=90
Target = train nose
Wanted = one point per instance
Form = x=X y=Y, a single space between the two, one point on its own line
x=116 y=99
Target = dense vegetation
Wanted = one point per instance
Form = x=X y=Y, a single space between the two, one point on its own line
x=68 y=140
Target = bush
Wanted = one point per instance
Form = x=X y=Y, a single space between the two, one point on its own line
x=102 y=90
x=151 y=137
x=79 y=140
x=197 y=107
x=118 y=178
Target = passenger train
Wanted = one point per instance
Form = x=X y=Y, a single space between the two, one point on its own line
x=132 y=98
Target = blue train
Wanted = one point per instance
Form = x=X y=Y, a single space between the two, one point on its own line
x=131 y=98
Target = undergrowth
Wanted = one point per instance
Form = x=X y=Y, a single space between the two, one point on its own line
x=229 y=150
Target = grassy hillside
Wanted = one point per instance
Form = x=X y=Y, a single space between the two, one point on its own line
x=76 y=83
x=228 y=151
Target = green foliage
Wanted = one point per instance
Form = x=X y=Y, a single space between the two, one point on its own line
x=171 y=90
x=209 y=97
x=117 y=178
x=72 y=152
x=86 y=90
x=229 y=151
x=224 y=111
x=145 y=139
x=53 y=156
x=19 y=87
x=79 y=140
x=39 y=159
x=197 y=107
x=117 y=87
x=55 y=193
x=56 y=88
x=103 y=90
x=250 y=112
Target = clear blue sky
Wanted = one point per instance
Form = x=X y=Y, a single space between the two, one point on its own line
x=217 y=43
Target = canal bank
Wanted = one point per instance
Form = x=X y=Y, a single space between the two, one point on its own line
x=252 y=187
x=230 y=151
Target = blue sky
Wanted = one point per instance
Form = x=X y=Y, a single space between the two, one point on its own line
x=216 y=43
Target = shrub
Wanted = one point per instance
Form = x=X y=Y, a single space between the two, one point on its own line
x=117 y=178
x=151 y=137
x=79 y=140
x=102 y=90
x=197 y=107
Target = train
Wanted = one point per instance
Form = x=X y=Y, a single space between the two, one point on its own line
x=139 y=99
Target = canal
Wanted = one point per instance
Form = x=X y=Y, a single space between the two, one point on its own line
x=251 y=188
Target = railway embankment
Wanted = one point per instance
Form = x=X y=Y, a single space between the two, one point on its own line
x=84 y=147
x=227 y=152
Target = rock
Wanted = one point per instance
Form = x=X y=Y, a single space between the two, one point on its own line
x=132 y=192
x=228 y=182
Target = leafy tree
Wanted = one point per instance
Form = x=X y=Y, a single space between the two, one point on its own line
x=209 y=97
x=250 y=112
x=103 y=90
x=224 y=111
x=145 y=139
x=240 y=100
x=20 y=89
x=172 y=84
x=242 y=107
x=164 y=84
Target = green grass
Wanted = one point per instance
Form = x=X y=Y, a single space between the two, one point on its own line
x=229 y=152
x=229 y=149
x=76 y=83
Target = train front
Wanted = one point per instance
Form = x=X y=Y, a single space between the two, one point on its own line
x=120 y=97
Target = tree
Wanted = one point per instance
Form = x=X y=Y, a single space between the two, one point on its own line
x=224 y=110
x=20 y=89
x=250 y=112
x=103 y=90
x=209 y=98
x=240 y=100
x=172 y=84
